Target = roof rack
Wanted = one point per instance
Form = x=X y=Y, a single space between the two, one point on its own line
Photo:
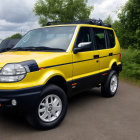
x=89 y=21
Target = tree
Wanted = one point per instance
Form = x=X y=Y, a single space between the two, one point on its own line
x=108 y=20
x=15 y=36
x=128 y=26
x=62 y=10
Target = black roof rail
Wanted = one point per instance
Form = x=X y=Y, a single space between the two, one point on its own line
x=89 y=21
x=54 y=23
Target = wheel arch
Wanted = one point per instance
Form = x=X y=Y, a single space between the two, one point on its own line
x=59 y=81
x=56 y=78
x=114 y=66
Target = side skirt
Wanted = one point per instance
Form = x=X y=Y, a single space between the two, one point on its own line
x=81 y=84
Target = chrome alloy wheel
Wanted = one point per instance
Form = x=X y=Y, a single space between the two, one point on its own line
x=50 y=108
x=113 y=83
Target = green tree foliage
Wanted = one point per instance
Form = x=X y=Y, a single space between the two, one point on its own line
x=108 y=20
x=131 y=64
x=62 y=10
x=128 y=26
x=15 y=36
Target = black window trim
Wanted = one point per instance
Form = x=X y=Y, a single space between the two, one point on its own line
x=93 y=40
x=108 y=39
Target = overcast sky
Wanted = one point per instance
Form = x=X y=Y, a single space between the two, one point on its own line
x=16 y=16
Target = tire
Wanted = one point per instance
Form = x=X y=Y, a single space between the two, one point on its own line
x=107 y=88
x=53 y=105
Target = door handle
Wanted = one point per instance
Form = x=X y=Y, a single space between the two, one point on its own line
x=96 y=56
x=110 y=54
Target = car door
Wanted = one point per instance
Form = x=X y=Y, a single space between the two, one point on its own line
x=85 y=63
x=105 y=53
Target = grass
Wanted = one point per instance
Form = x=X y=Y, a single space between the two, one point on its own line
x=131 y=65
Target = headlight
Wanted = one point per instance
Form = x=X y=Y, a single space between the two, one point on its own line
x=12 y=73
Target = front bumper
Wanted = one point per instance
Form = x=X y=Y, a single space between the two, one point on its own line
x=26 y=98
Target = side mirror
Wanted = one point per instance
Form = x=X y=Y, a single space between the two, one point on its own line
x=84 y=46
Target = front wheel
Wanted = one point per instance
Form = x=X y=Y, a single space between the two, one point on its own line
x=110 y=86
x=50 y=110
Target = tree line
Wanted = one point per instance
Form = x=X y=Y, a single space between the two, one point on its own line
x=127 y=26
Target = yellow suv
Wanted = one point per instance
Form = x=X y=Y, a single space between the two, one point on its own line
x=52 y=63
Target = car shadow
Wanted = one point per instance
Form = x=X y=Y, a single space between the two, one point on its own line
x=85 y=96
x=11 y=119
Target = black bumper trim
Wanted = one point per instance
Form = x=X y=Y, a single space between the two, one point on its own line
x=20 y=92
x=26 y=98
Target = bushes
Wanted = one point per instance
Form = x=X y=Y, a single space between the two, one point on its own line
x=127 y=26
x=131 y=64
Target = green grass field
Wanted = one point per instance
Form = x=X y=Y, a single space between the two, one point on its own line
x=131 y=65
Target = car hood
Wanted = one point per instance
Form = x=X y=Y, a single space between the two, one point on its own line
x=42 y=58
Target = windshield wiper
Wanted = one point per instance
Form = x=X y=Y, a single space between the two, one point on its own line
x=17 y=49
x=39 y=48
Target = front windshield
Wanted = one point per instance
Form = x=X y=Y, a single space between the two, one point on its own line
x=47 y=39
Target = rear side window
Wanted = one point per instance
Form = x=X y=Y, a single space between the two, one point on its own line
x=111 y=38
x=100 y=38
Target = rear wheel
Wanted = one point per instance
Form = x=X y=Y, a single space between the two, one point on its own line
x=50 y=110
x=110 y=86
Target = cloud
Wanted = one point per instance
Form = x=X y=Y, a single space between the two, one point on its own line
x=103 y=8
x=17 y=11
x=7 y=28
x=16 y=16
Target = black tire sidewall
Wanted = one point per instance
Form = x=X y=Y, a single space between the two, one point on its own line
x=113 y=73
x=34 y=117
x=105 y=88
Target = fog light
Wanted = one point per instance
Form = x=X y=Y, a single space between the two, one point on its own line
x=14 y=102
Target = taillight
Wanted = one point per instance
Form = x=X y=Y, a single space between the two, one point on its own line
x=120 y=56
